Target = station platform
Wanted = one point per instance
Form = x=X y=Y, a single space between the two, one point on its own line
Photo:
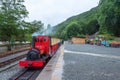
x=53 y=70
x=83 y=62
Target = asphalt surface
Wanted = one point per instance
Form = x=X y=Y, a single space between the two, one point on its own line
x=91 y=62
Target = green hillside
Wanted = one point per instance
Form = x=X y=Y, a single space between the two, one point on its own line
x=104 y=18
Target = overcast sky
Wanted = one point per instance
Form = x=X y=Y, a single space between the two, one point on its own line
x=56 y=11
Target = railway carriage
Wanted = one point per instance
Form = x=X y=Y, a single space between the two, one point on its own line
x=43 y=48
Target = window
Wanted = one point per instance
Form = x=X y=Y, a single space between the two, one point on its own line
x=36 y=40
x=45 y=40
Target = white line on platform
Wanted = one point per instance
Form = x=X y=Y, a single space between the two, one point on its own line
x=94 y=54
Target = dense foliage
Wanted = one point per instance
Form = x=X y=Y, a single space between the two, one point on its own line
x=12 y=24
x=11 y=14
x=86 y=22
x=109 y=17
x=105 y=19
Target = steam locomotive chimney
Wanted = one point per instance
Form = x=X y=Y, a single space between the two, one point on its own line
x=33 y=40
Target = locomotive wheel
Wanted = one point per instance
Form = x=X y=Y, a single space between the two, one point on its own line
x=33 y=55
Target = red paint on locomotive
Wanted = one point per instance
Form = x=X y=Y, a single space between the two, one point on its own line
x=41 y=45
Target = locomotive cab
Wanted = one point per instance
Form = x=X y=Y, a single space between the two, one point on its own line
x=42 y=43
x=40 y=48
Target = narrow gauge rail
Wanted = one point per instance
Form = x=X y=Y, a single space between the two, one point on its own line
x=32 y=73
x=26 y=74
x=43 y=48
x=12 y=58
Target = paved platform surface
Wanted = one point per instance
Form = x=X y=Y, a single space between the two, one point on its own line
x=87 y=62
x=49 y=70
x=91 y=62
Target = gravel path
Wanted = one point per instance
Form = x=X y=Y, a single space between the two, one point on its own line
x=89 y=67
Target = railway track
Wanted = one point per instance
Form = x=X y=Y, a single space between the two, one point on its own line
x=12 y=58
x=26 y=74
x=32 y=73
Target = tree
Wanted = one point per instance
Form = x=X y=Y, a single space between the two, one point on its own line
x=109 y=17
x=34 y=26
x=28 y=28
x=92 y=27
x=86 y=21
x=104 y=18
x=12 y=13
x=73 y=29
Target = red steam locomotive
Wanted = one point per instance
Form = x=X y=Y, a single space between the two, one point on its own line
x=43 y=48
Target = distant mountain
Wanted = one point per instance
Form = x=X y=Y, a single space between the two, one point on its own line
x=104 y=18
x=82 y=20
